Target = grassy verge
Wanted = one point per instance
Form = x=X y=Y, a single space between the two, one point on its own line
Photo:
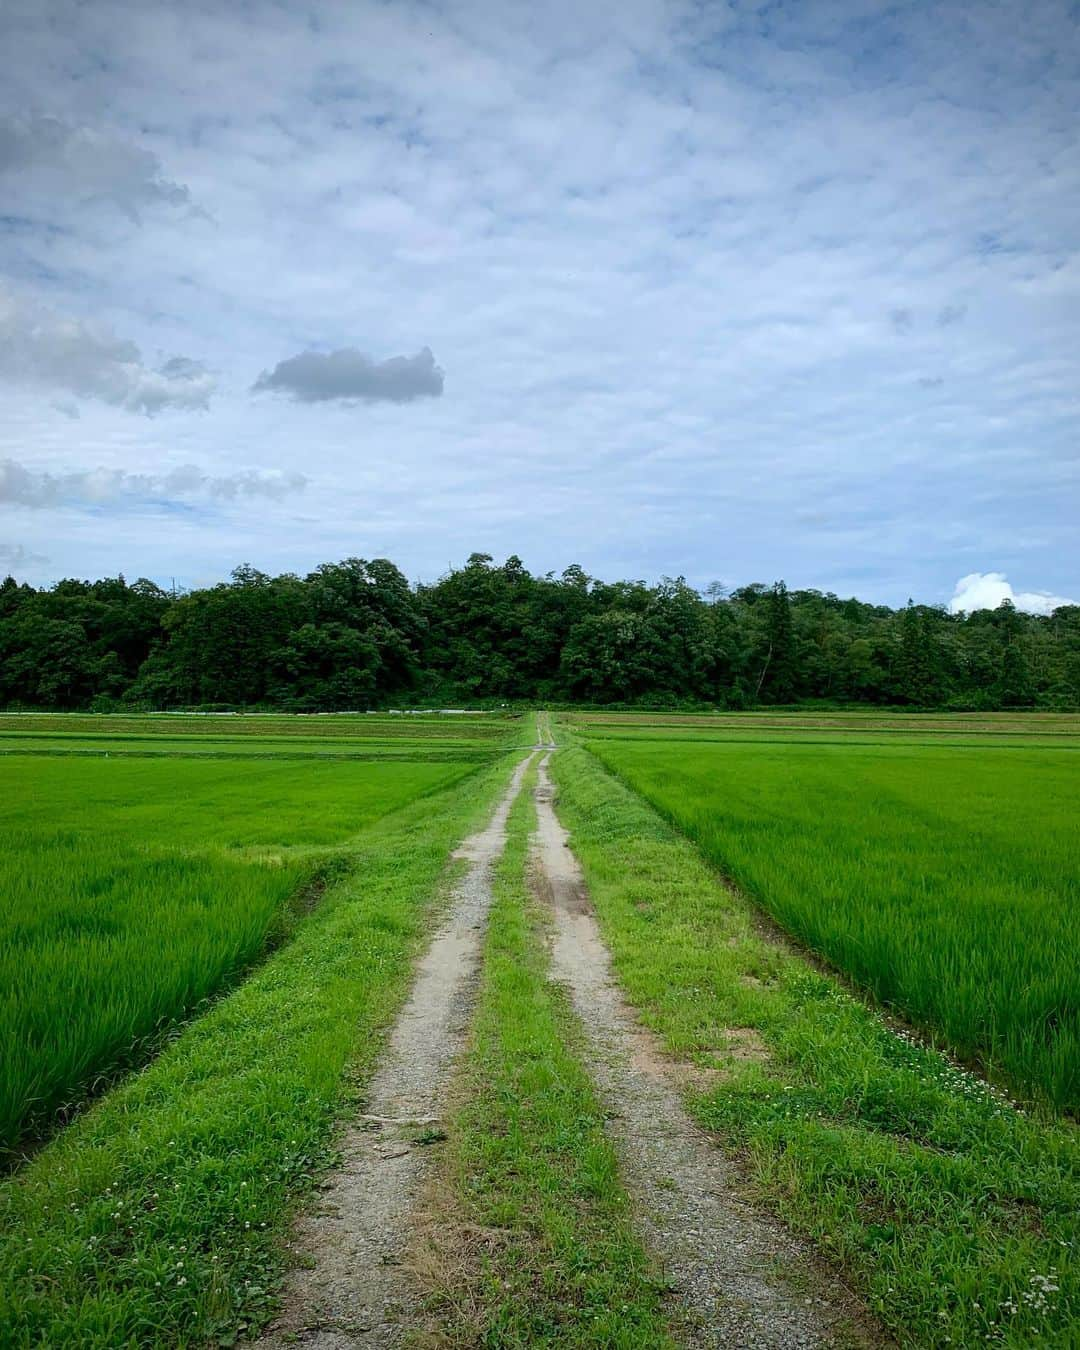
x=956 y=1215
x=530 y=1241
x=156 y=1218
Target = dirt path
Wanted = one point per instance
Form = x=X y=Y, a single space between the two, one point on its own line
x=742 y=1281
x=544 y=738
x=355 y=1291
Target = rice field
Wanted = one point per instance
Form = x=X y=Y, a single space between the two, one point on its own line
x=210 y=923
x=255 y=735
x=136 y=887
x=937 y=865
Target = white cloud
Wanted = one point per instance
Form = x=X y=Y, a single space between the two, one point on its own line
x=27 y=487
x=987 y=590
x=43 y=348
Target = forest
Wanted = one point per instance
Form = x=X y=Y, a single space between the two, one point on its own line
x=356 y=634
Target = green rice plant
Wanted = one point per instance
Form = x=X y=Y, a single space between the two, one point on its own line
x=135 y=890
x=955 y=1215
x=487 y=727
x=946 y=882
x=158 y=1217
x=186 y=803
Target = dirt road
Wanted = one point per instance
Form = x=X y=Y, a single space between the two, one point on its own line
x=349 y=1287
x=740 y=1280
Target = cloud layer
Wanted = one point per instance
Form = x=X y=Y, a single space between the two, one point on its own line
x=987 y=590
x=27 y=487
x=52 y=157
x=732 y=291
x=15 y=557
x=348 y=375
x=40 y=347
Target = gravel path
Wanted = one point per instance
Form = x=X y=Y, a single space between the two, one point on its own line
x=742 y=1281
x=355 y=1291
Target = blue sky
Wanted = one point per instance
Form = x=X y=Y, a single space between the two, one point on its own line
x=737 y=292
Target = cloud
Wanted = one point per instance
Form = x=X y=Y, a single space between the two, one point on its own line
x=15 y=555
x=950 y=314
x=61 y=159
x=640 y=248
x=43 y=348
x=348 y=375
x=987 y=590
x=28 y=487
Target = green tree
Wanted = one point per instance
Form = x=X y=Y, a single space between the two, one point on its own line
x=1013 y=688
x=779 y=675
x=332 y=668
x=920 y=662
x=356 y=634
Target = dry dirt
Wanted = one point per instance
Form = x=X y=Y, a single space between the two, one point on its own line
x=349 y=1287
x=740 y=1279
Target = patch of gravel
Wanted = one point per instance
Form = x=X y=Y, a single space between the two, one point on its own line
x=741 y=1279
x=351 y=1287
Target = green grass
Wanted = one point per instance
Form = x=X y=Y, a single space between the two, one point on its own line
x=134 y=890
x=922 y=724
x=534 y=1244
x=955 y=1215
x=946 y=882
x=260 y=736
x=489 y=727
x=157 y=1217
x=187 y=803
x=162 y=747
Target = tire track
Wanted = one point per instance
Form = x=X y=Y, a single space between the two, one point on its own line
x=352 y=1288
x=741 y=1280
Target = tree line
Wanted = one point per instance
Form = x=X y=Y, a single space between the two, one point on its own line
x=355 y=634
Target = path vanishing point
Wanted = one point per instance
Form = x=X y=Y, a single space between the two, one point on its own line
x=729 y=1268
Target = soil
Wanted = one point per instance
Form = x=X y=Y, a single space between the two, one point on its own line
x=350 y=1285
x=739 y=1279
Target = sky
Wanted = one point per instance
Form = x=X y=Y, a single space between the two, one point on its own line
x=737 y=292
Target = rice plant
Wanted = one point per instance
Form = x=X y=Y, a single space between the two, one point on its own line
x=135 y=889
x=944 y=880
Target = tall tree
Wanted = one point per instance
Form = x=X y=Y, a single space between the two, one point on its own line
x=779 y=676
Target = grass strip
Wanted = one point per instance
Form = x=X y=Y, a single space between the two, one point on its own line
x=530 y=1240
x=957 y=1216
x=157 y=1218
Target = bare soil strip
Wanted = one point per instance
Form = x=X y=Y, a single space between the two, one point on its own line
x=351 y=1288
x=741 y=1280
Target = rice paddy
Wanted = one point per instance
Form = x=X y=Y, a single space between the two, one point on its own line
x=942 y=878
x=136 y=888
x=209 y=923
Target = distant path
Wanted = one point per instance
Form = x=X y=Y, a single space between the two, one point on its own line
x=357 y=1291
x=545 y=740
x=727 y=1264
